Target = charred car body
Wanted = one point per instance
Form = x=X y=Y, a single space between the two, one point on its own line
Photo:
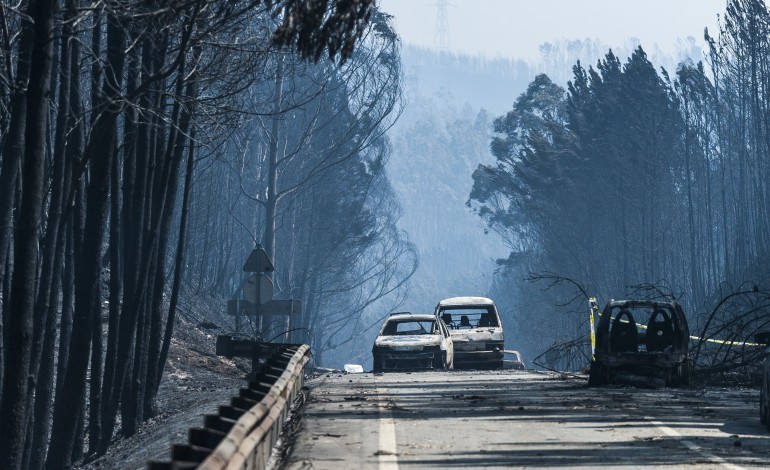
x=407 y=341
x=476 y=331
x=641 y=339
x=512 y=360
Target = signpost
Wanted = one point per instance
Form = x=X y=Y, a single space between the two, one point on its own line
x=258 y=285
x=273 y=307
x=258 y=261
x=258 y=292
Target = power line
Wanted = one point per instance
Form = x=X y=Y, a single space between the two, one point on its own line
x=442 y=39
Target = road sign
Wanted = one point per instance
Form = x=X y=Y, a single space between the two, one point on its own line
x=258 y=261
x=281 y=307
x=239 y=307
x=273 y=307
x=264 y=290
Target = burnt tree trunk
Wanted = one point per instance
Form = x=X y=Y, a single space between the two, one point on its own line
x=13 y=146
x=138 y=295
x=97 y=443
x=13 y=149
x=271 y=197
x=119 y=246
x=179 y=260
x=14 y=407
x=87 y=293
x=67 y=148
x=133 y=299
x=165 y=197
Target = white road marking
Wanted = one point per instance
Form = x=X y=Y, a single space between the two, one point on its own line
x=693 y=446
x=387 y=453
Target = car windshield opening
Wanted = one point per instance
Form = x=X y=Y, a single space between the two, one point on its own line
x=643 y=329
x=410 y=327
x=469 y=317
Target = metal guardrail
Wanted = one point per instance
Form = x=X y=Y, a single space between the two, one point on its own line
x=243 y=434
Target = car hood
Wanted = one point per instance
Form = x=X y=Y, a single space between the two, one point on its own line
x=408 y=340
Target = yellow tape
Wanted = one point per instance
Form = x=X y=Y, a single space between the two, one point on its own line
x=724 y=341
x=594 y=307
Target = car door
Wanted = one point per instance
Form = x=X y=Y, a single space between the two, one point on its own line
x=448 y=344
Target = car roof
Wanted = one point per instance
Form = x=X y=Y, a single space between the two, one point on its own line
x=412 y=316
x=640 y=303
x=466 y=301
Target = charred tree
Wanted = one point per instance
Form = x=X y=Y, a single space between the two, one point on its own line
x=88 y=303
x=14 y=406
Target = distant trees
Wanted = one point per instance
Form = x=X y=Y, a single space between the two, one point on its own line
x=436 y=145
x=634 y=176
x=104 y=107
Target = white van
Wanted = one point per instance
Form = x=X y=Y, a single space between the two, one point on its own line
x=476 y=331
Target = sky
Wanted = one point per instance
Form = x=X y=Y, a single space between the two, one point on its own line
x=516 y=28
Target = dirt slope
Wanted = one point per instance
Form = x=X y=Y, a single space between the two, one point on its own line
x=195 y=383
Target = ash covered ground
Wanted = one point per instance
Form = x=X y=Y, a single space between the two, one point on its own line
x=195 y=382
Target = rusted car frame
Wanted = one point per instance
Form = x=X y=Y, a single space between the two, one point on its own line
x=657 y=347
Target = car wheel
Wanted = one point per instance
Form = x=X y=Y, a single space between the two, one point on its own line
x=597 y=375
x=376 y=362
x=439 y=362
x=767 y=418
x=672 y=377
x=683 y=374
x=764 y=403
x=767 y=413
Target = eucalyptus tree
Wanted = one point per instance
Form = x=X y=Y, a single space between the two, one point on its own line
x=38 y=32
x=339 y=113
x=505 y=194
x=739 y=65
x=584 y=185
x=701 y=175
x=321 y=132
x=647 y=177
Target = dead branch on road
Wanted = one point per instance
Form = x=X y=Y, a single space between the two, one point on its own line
x=725 y=341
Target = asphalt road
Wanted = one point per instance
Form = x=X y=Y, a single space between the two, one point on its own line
x=518 y=419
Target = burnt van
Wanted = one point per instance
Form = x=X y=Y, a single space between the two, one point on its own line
x=476 y=330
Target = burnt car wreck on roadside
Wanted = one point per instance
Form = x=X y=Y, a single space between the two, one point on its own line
x=643 y=342
x=407 y=342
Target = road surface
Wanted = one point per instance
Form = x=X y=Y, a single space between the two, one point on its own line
x=517 y=419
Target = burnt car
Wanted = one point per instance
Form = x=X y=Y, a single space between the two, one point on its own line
x=763 y=337
x=512 y=360
x=476 y=331
x=641 y=341
x=408 y=341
